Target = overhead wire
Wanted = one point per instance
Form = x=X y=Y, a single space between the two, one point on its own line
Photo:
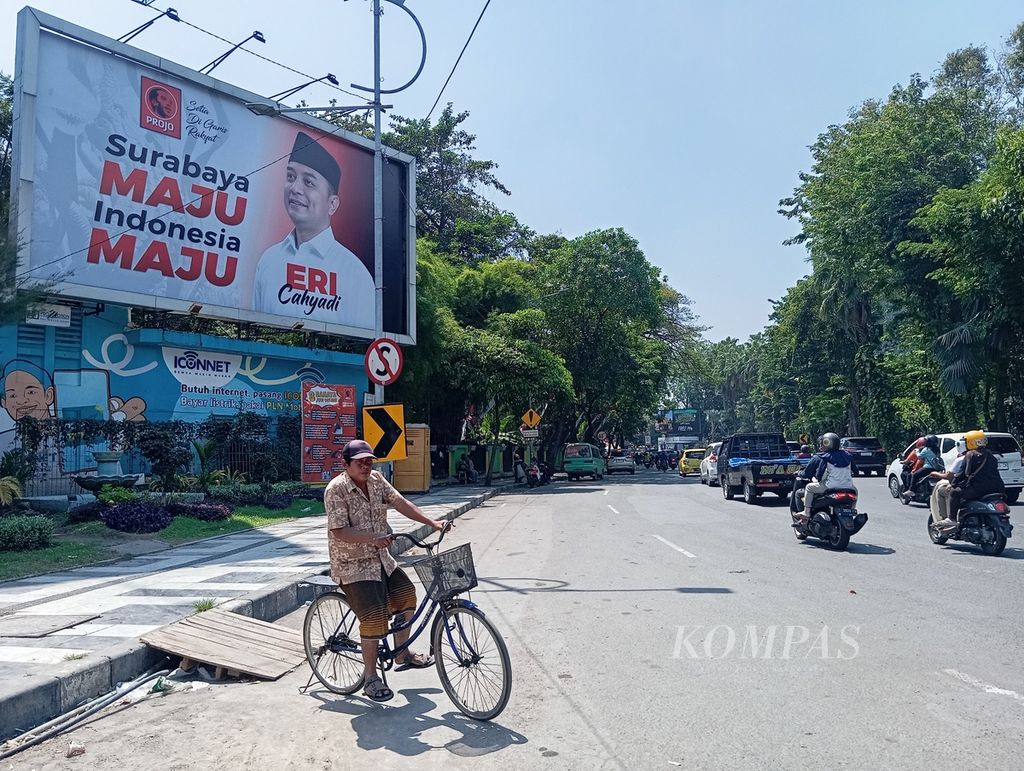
x=455 y=66
x=260 y=56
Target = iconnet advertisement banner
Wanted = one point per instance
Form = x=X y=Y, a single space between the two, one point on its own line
x=173 y=193
x=328 y=424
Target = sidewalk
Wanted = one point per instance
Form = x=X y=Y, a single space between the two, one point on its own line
x=97 y=613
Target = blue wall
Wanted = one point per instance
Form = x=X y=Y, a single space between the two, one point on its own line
x=99 y=368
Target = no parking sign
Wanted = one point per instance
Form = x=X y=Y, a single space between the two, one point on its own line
x=384 y=361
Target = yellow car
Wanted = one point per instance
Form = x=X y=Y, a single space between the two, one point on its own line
x=689 y=461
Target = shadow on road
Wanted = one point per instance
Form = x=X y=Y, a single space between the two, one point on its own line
x=399 y=728
x=869 y=548
x=544 y=586
x=969 y=550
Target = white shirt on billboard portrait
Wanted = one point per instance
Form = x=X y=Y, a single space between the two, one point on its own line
x=354 y=282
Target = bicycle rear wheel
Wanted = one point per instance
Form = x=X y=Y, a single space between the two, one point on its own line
x=472 y=662
x=330 y=634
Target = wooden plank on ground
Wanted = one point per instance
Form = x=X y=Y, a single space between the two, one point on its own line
x=244 y=634
x=211 y=620
x=184 y=635
x=232 y=642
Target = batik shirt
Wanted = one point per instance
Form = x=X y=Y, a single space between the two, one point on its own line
x=348 y=507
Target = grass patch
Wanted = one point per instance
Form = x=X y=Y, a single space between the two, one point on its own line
x=75 y=656
x=90 y=529
x=206 y=604
x=245 y=517
x=60 y=556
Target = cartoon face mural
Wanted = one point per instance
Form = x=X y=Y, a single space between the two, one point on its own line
x=27 y=390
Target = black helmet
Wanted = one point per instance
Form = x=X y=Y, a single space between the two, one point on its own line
x=829 y=441
x=931 y=441
x=805 y=448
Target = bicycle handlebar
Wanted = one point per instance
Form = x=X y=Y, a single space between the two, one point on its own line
x=423 y=544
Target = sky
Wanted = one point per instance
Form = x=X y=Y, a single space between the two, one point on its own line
x=682 y=122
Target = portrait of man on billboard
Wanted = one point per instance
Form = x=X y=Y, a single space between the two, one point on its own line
x=309 y=274
x=161 y=102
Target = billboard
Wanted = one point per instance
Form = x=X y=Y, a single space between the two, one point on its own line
x=679 y=421
x=144 y=183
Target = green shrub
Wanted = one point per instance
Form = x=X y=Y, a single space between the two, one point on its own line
x=24 y=533
x=238 y=495
x=111 y=495
x=20 y=464
x=296 y=489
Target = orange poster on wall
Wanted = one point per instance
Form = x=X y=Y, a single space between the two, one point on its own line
x=328 y=423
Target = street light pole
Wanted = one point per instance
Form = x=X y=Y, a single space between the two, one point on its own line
x=378 y=163
x=378 y=197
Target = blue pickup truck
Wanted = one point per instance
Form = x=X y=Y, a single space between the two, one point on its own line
x=750 y=464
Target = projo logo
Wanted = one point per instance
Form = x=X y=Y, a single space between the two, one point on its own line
x=193 y=361
x=198 y=368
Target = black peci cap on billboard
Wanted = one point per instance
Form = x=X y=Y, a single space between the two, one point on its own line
x=309 y=152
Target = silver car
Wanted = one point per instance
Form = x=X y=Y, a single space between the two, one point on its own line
x=709 y=465
x=618 y=460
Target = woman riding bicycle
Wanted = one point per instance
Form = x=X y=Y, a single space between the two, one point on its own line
x=358 y=539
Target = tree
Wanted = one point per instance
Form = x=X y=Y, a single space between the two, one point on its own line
x=17 y=290
x=449 y=180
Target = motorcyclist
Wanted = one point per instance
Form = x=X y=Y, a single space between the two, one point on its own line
x=830 y=469
x=805 y=452
x=911 y=463
x=978 y=477
x=465 y=470
x=928 y=460
x=661 y=459
x=943 y=484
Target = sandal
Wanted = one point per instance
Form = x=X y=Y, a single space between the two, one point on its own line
x=415 y=661
x=376 y=690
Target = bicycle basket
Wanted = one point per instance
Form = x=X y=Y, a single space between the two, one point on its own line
x=447 y=574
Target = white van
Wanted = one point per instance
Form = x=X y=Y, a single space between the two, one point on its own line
x=1005 y=447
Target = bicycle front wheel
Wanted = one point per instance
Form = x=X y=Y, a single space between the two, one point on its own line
x=472 y=662
x=330 y=634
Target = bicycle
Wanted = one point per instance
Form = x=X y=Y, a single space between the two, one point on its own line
x=469 y=652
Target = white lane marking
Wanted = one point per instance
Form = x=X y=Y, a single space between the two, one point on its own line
x=606 y=492
x=986 y=687
x=503 y=505
x=677 y=548
x=614 y=510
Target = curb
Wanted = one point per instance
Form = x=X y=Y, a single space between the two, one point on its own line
x=39 y=698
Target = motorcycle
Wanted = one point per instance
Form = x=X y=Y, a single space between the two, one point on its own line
x=922 y=493
x=984 y=522
x=834 y=516
x=662 y=464
x=533 y=476
x=648 y=460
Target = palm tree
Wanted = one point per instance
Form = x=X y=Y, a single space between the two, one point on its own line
x=10 y=488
